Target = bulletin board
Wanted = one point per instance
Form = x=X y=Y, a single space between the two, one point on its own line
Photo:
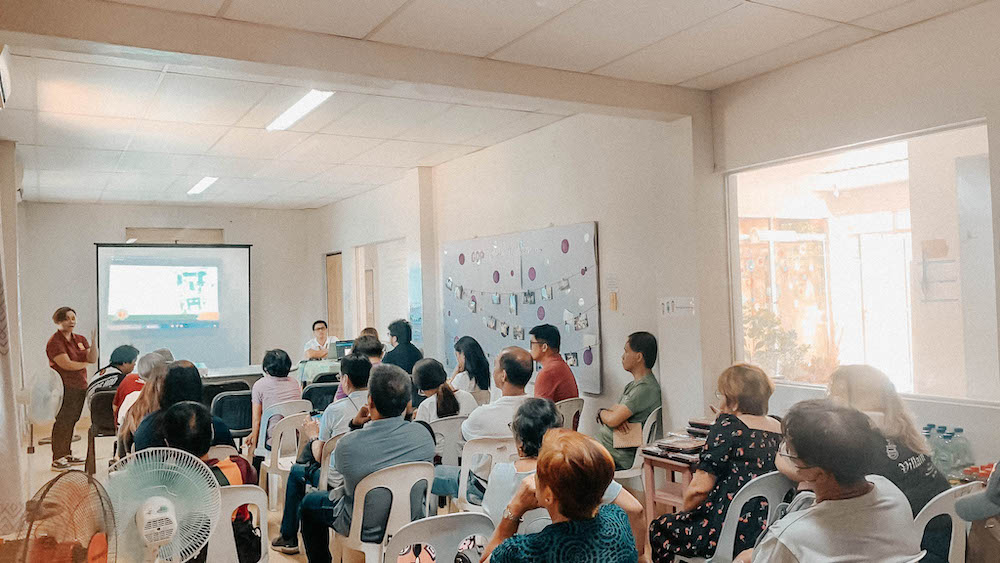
x=497 y=288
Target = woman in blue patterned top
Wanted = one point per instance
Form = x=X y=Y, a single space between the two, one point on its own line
x=572 y=473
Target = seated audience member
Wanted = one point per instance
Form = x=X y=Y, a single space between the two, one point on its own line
x=354 y=370
x=640 y=398
x=128 y=391
x=187 y=426
x=318 y=347
x=404 y=354
x=387 y=439
x=165 y=353
x=555 y=380
x=472 y=372
x=830 y=449
x=370 y=331
x=368 y=346
x=147 y=400
x=904 y=457
x=741 y=445
x=182 y=383
x=532 y=420
x=275 y=387
x=572 y=474
x=512 y=373
x=981 y=505
x=121 y=363
x=441 y=400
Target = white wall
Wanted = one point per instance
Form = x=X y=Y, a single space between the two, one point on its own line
x=58 y=266
x=937 y=73
x=635 y=178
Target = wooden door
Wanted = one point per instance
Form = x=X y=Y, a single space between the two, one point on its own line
x=335 y=295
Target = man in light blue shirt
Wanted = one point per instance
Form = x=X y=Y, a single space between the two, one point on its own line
x=387 y=439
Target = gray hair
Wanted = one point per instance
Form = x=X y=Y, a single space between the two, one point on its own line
x=165 y=352
x=152 y=366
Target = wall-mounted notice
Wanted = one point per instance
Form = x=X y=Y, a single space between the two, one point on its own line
x=497 y=288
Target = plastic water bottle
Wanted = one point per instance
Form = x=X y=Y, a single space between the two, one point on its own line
x=963 y=450
x=944 y=457
x=936 y=439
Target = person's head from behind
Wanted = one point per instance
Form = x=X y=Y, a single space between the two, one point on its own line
x=151 y=366
x=124 y=357
x=432 y=380
x=187 y=426
x=513 y=369
x=573 y=472
x=166 y=353
x=355 y=369
x=744 y=389
x=370 y=331
x=183 y=383
x=826 y=444
x=545 y=340
x=369 y=347
x=65 y=319
x=640 y=352
x=532 y=420
x=388 y=391
x=320 y=330
x=153 y=370
x=400 y=332
x=870 y=391
x=276 y=363
x=472 y=359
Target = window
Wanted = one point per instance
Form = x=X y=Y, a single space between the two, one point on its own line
x=880 y=255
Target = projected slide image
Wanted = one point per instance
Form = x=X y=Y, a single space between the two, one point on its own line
x=141 y=296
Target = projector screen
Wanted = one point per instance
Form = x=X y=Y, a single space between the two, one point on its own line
x=194 y=300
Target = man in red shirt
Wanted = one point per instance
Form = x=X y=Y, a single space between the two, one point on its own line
x=555 y=380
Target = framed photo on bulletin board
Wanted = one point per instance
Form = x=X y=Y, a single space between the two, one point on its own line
x=497 y=288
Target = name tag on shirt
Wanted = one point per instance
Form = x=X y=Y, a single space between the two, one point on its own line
x=79 y=345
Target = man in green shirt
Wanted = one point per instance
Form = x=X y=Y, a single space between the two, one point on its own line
x=640 y=398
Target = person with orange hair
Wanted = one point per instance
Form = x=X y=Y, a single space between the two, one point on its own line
x=572 y=474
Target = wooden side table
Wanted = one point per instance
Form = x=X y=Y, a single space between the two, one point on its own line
x=671 y=496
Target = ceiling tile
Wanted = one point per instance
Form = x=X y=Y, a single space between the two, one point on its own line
x=220 y=167
x=528 y=123
x=207 y=7
x=823 y=42
x=461 y=123
x=444 y=155
x=89 y=89
x=745 y=31
x=384 y=118
x=400 y=154
x=198 y=99
x=135 y=181
x=60 y=129
x=841 y=10
x=354 y=174
x=912 y=12
x=330 y=149
x=595 y=32
x=86 y=160
x=291 y=170
x=18 y=125
x=70 y=180
x=178 y=138
x=280 y=98
x=256 y=143
x=151 y=162
x=469 y=27
x=23 y=94
x=348 y=18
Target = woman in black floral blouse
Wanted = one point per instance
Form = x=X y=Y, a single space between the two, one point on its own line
x=741 y=445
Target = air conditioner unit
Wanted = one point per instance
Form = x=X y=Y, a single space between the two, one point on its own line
x=4 y=75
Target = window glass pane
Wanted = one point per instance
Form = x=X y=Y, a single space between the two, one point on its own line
x=881 y=255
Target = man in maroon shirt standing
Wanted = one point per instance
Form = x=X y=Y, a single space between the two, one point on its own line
x=555 y=380
x=69 y=354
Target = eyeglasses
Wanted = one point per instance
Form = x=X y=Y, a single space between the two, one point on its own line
x=535 y=342
x=783 y=452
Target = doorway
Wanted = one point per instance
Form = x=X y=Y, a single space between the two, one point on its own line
x=335 y=294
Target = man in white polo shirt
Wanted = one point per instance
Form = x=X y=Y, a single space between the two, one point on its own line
x=511 y=374
x=318 y=348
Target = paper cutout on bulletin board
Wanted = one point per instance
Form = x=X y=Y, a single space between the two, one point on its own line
x=497 y=288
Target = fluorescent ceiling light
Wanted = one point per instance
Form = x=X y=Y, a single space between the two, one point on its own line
x=308 y=103
x=131 y=240
x=202 y=185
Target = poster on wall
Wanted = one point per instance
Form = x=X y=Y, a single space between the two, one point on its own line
x=497 y=288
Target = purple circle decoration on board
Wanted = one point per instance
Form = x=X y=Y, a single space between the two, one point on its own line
x=461 y=259
x=588 y=356
x=473 y=299
x=583 y=271
x=456 y=340
x=496 y=276
x=565 y=246
x=541 y=313
x=531 y=274
x=449 y=313
x=512 y=273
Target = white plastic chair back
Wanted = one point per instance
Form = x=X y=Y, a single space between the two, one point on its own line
x=944 y=503
x=274 y=469
x=651 y=430
x=221 y=451
x=399 y=480
x=448 y=435
x=444 y=533
x=222 y=543
x=324 y=460
x=569 y=408
x=534 y=521
x=286 y=408
x=497 y=449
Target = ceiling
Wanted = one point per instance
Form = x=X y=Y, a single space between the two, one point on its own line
x=99 y=129
x=703 y=44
